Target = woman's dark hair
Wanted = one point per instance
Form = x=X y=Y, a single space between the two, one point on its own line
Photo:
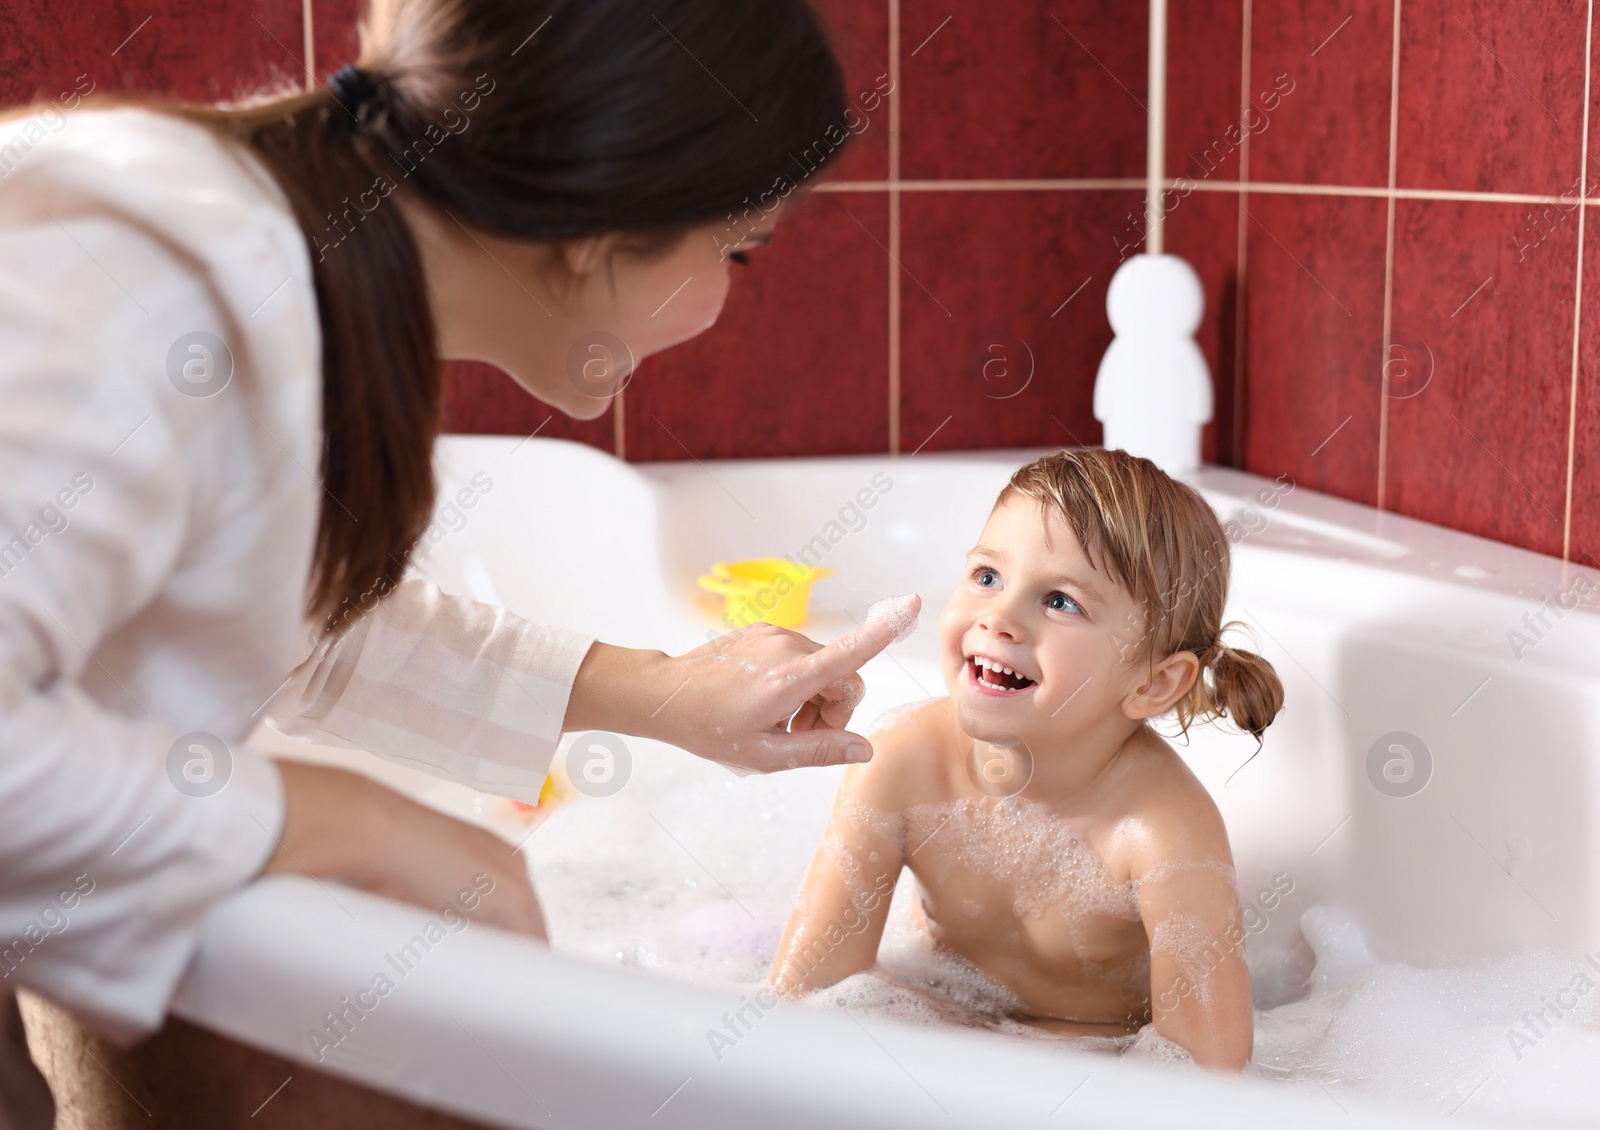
x=533 y=121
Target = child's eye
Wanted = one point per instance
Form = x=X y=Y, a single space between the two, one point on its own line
x=986 y=577
x=1061 y=602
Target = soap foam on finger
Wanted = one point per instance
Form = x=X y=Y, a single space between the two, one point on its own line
x=897 y=612
x=847 y=692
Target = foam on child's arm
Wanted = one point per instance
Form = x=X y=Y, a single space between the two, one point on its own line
x=1186 y=940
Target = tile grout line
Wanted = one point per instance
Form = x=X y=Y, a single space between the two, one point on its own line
x=1388 y=264
x=1265 y=188
x=894 y=227
x=308 y=43
x=1243 y=242
x=1577 y=290
x=1282 y=188
x=1155 y=148
x=962 y=185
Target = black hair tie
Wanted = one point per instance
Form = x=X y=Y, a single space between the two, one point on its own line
x=352 y=88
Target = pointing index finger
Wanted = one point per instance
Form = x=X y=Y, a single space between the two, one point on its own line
x=887 y=622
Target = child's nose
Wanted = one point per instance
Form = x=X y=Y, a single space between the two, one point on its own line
x=1001 y=620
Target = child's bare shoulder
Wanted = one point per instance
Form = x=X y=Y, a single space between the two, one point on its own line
x=911 y=720
x=1171 y=815
x=912 y=756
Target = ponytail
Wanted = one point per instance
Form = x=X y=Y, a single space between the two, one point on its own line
x=1235 y=684
x=382 y=388
x=606 y=124
x=1159 y=540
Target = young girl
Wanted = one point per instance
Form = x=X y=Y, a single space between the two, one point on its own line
x=1061 y=847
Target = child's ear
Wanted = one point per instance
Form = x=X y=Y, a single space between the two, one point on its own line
x=1166 y=683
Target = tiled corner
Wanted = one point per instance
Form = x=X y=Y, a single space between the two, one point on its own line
x=798 y=362
x=1031 y=89
x=1482 y=445
x=1314 y=339
x=1585 y=540
x=1491 y=95
x=1320 y=70
x=1004 y=325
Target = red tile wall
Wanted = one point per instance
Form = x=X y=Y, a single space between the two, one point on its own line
x=1357 y=175
x=798 y=362
x=194 y=49
x=1024 y=90
x=1417 y=187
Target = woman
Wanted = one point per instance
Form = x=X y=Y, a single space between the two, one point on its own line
x=220 y=390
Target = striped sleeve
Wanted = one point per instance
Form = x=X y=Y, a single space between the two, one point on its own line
x=459 y=688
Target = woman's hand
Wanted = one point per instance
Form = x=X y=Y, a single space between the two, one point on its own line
x=760 y=698
x=340 y=825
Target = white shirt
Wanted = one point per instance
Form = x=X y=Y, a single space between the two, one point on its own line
x=155 y=548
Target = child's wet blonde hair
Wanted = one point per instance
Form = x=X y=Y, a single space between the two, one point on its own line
x=1159 y=540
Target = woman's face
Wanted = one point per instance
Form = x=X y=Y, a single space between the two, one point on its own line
x=642 y=306
x=571 y=323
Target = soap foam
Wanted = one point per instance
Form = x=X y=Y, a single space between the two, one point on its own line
x=897 y=613
x=846 y=692
x=918 y=981
x=1176 y=868
x=1050 y=869
x=862 y=877
x=1185 y=939
x=617 y=888
x=1209 y=870
x=1441 y=1039
x=897 y=714
x=845 y=863
x=1151 y=1046
x=864 y=818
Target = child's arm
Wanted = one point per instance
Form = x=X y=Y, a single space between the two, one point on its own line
x=838 y=921
x=1199 y=982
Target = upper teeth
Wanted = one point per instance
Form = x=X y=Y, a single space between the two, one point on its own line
x=982 y=661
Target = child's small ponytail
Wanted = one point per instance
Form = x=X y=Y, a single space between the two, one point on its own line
x=1239 y=685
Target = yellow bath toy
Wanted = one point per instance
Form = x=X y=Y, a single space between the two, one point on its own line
x=516 y=816
x=554 y=791
x=771 y=589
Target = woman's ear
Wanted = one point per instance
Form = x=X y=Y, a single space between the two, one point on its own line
x=1167 y=682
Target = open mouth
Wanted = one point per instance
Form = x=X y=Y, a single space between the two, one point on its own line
x=993 y=677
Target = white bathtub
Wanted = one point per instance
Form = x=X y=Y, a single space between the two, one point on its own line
x=1376 y=623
